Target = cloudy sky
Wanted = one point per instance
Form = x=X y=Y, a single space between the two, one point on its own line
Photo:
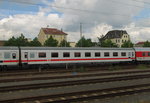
x=97 y=17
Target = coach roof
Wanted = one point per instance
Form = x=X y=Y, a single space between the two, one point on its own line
x=70 y=48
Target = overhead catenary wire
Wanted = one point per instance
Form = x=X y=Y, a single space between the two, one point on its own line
x=81 y=10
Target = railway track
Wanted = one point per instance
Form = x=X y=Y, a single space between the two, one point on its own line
x=53 y=71
x=73 y=82
x=30 y=78
x=84 y=95
x=25 y=73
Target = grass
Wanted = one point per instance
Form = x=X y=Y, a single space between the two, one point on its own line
x=114 y=67
x=79 y=69
x=142 y=66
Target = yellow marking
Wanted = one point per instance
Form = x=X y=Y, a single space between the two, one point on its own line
x=104 y=93
x=50 y=100
x=137 y=89
x=95 y=94
x=85 y=101
x=84 y=95
x=113 y=91
x=37 y=102
x=74 y=97
x=62 y=98
x=129 y=89
x=121 y=90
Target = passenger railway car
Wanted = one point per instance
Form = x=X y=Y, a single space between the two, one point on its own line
x=142 y=54
x=63 y=55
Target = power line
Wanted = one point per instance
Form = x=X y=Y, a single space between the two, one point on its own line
x=74 y=9
x=148 y=3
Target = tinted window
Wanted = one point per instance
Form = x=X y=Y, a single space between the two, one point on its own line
x=87 y=54
x=106 y=54
x=54 y=55
x=66 y=54
x=97 y=54
x=42 y=55
x=143 y=54
x=14 y=55
x=115 y=54
x=32 y=55
x=7 y=55
x=77 y=54
x=123 y=54
x=25 y=55
x=148 y=53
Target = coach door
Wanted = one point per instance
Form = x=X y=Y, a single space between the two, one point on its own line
x=14 y=57
x=26 y=57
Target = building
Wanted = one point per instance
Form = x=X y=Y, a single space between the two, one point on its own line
x=139 y=44
x=45 y=33
x=72 y=44
x=117 y=36
x=2 y=42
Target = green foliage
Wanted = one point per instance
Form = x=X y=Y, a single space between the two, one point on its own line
x=35 y=42
x=64 y=43
x=101 y=40
x=108 y=43
x=146 y=44
x=142 y=66
x=127 y=44
x=84 y=43
x=51 y=42
x=20 y=41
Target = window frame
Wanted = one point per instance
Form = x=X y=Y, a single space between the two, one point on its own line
x=87 y=54
x=114 y=55
x=43 y=55
x=106 y=53
x=97 y=53
x=76 y=54
x=122 y=54
x=66 y=54
x=54 y=54
x=5 y=55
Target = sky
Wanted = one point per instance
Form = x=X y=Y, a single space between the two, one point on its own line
x=96 y=16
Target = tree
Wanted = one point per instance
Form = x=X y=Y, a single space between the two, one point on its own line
x=84 y=43
x=64 y=43
x=127 y=44
x=101 y=40
x=51 y=42
x=35 y=42
x=10 y=42
x=146 y=44
x=20 y=41
x=108 y=43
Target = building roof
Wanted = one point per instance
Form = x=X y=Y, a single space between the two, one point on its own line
x=140 y=43
x=53 y=31
x=115 y=34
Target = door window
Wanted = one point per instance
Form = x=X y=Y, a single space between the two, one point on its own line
x=13 y=55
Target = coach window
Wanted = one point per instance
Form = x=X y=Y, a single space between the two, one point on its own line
x=66 y=54
x=97 y=54
x=123 y=54
x=87 y=54
x=14 y=55
x=32 y=55
x=42 y=55
x=143 y=54
x=54 y=55
x=148 y=53
x=77 y=54
x=115 y=54
x=7 y=55
x=106 y=54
